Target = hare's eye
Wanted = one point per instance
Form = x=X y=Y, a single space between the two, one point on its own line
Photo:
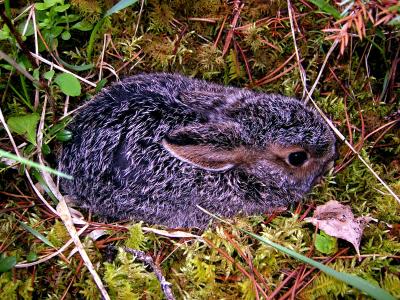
x=297 y=158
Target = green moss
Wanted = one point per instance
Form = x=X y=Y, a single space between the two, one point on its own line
x=161 y=17
x=128 y=279
x=15 y=289
x=136 y=239
x=211 y=62
x=58 y=234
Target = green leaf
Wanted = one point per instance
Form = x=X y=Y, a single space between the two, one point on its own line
x=4 y=33
x=29 y=29
x=64 y=135
x=236 y=70
x=66 y=35
x=68 y=84
x=68 y=19
x=7 y=67
x=359 y=283
x=395 y=21
x=28 y=150
x=7 y=263
x=325 y=243
x=51 y=3
x=36 y=74
x=49 y=74
x=36 y=234
x=82 y=26
x=55 y=32
x=25 y=125
x=62 y=8
x=32 y=256
x=136 y=239
x=76 y=68
x=41 y=6
x=46 y=149
x=327 y=8
x=120 y=5
x=100 y=85
x=92 y=38
x=32 y=164
x=46 y=188
x=57 y=127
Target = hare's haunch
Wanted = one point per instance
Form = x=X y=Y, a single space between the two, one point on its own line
x=154 y=146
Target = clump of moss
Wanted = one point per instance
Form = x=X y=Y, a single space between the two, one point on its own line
x=128 y=279
x=211 y=62
x=161 y=18
x=15 y=289
x=88 y=7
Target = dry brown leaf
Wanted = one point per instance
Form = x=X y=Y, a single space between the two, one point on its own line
x=338 y=220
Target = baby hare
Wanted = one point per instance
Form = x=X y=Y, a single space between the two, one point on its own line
x=154 y=146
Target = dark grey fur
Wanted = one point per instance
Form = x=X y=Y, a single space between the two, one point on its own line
x=122 y=170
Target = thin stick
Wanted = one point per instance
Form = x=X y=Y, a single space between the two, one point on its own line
x=230 y=259
x=301 y=69
x=269 y=75
x=105 y=44
x=231 y=32
x=336 y=131
x=139 y=17
x=64 y=212
x=320 y=71
x=47 y=257
x=66 y=104
x=147 y=259
x=220 y=32
x=343 y=139
x=3 y=121
x=62 y=69
x=18 y=67
x=258 y=83
x=17 y=37
x=35 y=34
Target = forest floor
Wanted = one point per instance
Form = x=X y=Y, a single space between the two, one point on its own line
x=345 y=54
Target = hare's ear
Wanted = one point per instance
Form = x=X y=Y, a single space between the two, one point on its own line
x=200 y=146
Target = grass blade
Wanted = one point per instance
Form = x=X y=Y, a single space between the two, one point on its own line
x=37 y=234
x=32 y=164
x=355 y=281
x=120 y=5
x=116 y=8
x=7 y=263
x=327 y=8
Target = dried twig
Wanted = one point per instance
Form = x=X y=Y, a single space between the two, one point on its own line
x=47 y=257
x=220 y=32
x=231 y=32
x=148 y=260
x=239 y=266
x=17 y=37
x=139 y=17
x=340 y=135
x=62 y=69
x=63 y=209
x=301 y=69
x=13 y=63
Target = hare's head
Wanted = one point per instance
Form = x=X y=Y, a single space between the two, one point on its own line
x=274 y=139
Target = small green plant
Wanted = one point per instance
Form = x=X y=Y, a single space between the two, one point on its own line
x=55 y=21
